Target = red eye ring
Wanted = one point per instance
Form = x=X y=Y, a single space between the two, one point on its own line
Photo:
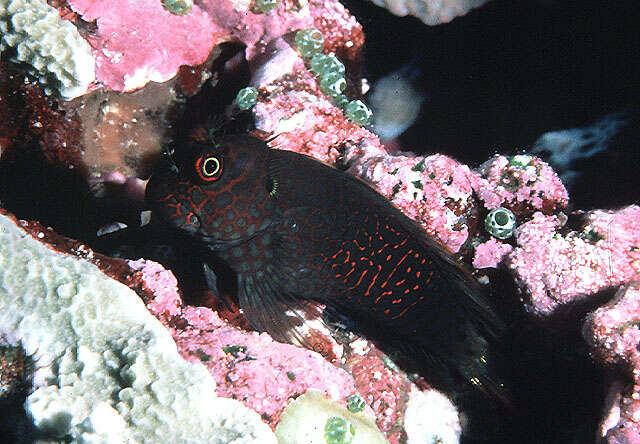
x=209 y=167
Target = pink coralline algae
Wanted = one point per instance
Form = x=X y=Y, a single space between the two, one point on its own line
x=555 y=269
x=162 y=283
x=384 y=389
x=489 y=254
x=522 y=184
x=137 y=42
x=614 y=331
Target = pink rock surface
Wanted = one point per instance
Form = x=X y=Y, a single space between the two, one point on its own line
x=554 y=269
x=522 y=184
x=489 y=254
x=263 y=373
x=383 y=388
x=614 y=332
x=141 y=41
x=138 y=42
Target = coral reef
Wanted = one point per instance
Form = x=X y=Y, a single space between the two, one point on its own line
x=522 y=184
x=105 y=366
x=420 y=424
x=556 y=269
x=429 y=11
x=51 y=46
x=151 y=62
x=490 y=253
x=614 y=331
x=138 y=42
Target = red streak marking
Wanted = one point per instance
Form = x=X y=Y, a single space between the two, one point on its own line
x=384 y=293
x=337 y=254
x=355 y=241
x=388 y=258
x=417 y=255
x=396 y=301
x=403 y=312
x=428 y=279
x=409 y=270
x=387 y=311
x=418 y=274
x=383 y=247
x=359 y=280
x=407 y=290
x=366 y=293
x=384 y=284
x=400 y=282
x=423 y=261
x=416 y=287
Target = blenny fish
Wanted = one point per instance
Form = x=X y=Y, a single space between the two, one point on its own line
x=294 y=229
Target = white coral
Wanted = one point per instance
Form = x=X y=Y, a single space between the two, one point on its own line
x=50 y=45
x=431 y=418
x=431 y=12
x=107 y=371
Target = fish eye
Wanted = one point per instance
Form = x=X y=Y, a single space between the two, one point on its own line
x=209 y=167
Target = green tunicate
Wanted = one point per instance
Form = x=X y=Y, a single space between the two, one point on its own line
x=333 y=83
x=323 y=64
x=357 y=111
x=246 y=98
x=500 y=223
x=309 y=42
x=267 y=6
x=338 y=431
x=178 y=7
x=340 y=100
x=355 y=403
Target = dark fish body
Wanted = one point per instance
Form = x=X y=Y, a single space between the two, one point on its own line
x=294 y=229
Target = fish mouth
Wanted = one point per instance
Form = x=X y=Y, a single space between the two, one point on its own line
x=162 y=197
x=216 y=244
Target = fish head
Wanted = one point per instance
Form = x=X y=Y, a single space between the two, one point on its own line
x=217 y=192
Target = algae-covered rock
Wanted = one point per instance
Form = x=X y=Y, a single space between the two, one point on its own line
x=315 y=419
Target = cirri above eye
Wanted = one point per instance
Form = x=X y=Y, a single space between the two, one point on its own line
x=209 y=167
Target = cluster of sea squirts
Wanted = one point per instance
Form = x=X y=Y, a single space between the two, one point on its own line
x=329 y=71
